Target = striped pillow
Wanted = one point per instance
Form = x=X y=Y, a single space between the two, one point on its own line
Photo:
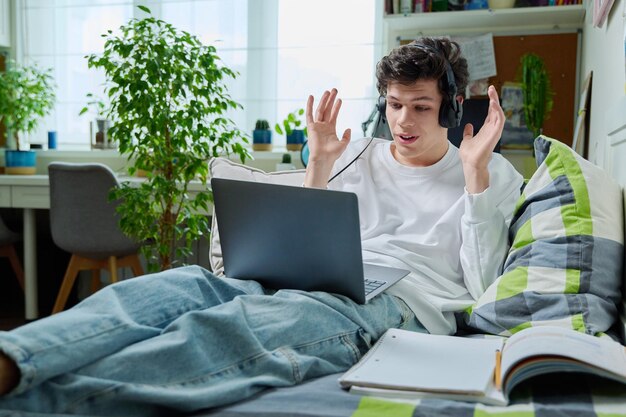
x=564 y=266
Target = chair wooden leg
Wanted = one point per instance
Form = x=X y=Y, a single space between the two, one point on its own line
x=135 y=265
x=95 y=280
x=113 y=268
x=16 y=265
x=67 y=284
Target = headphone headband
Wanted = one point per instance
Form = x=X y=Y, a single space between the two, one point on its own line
x=450 y=81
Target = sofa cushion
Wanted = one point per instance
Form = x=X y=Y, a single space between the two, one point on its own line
x=225 y=168
x=564 y=266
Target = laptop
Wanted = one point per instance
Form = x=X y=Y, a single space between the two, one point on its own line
x=288 y=237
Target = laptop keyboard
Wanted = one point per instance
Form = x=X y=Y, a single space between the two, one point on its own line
x=372 y=284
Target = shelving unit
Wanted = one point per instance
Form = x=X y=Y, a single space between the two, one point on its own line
x=550 y=30
x=514 y=20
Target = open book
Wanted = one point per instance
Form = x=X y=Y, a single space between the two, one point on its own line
x=404 y=364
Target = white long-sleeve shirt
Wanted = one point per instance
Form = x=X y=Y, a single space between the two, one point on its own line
x=423 y=219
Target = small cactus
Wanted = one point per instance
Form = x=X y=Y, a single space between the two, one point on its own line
x=262 y=125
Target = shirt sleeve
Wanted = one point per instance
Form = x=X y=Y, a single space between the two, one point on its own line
x=484 y=228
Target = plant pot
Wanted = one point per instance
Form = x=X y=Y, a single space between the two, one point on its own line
x=20 y=162
x=99 y=131
x=295 y=140
x=501 y=4
x=262 y=140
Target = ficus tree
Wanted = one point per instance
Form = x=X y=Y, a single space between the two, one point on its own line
x=168 y=101
x=27 y=94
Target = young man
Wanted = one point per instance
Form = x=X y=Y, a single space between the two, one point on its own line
x=185 y=340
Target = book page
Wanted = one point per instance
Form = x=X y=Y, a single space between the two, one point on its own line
x=423 y=362
x=556 y=341
x=492 y=397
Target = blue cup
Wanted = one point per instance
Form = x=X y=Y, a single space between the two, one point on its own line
x=52 y=140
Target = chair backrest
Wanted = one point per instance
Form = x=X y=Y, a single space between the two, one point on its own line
x=82 y=219
x=474 y=111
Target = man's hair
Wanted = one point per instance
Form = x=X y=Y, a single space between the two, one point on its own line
x=407 y=63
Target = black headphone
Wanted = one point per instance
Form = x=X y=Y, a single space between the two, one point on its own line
x=451 y=111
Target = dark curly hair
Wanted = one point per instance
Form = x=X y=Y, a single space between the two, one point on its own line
x=407 y=64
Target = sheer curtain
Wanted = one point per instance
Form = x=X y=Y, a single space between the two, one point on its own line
x=283 y=50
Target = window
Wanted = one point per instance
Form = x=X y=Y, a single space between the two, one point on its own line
x=284 y=50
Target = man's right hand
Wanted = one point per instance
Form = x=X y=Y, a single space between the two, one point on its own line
x=324 y=144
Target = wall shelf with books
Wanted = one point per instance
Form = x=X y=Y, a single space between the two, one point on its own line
x=522 y=19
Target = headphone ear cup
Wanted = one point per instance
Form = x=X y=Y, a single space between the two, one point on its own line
x=382 y=105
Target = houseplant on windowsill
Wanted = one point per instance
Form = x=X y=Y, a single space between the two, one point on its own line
x=168 y=103
x=26 y=95
x=291 y=124
x=262 y=136
x=99 y=126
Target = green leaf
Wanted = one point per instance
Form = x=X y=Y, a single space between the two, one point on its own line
x=145 y=9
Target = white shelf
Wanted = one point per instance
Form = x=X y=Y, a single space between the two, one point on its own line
x=481 y=21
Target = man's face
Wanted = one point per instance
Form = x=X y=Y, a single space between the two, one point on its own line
x=413 y=116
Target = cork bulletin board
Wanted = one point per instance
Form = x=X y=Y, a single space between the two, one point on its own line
x=559 y=54
x=559 y=51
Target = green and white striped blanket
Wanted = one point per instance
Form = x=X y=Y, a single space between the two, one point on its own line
x=551 y=396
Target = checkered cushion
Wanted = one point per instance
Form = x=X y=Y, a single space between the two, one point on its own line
x=565 y=263
x=225 y=168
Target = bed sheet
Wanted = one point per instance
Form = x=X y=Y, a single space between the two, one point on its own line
x=546 y=396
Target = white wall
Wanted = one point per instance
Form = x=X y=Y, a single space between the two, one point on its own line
x=603 y=53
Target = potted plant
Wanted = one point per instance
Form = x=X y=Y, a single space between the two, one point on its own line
x=537 y=92
x=26 y=95
x=262 y=136
x=285 y=163
x=295 y=135
x=168 y=100
x=99 y=126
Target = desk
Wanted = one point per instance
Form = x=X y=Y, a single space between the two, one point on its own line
x=30 y=192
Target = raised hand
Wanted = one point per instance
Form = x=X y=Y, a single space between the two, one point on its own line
x=324 y=144
x=475 y=150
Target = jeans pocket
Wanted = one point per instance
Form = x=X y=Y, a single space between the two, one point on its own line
x=407 y=316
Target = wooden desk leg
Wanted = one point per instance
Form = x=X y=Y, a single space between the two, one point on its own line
x=30 y=264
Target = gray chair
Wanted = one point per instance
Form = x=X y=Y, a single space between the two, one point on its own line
x=84 y=222
x=7 y=250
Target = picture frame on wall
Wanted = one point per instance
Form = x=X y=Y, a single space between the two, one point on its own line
x=601 y=10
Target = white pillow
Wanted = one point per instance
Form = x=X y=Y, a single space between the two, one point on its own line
x=225 y=168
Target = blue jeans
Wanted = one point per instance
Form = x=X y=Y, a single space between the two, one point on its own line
x=184 y=339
